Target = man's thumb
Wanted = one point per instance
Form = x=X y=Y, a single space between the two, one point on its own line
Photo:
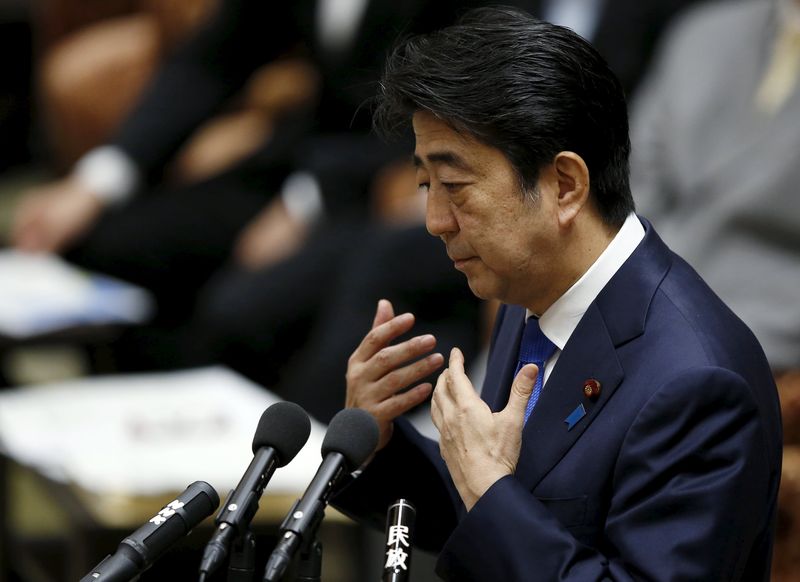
x=521 y=389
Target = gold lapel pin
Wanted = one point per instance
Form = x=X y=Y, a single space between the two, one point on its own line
x=591 y=388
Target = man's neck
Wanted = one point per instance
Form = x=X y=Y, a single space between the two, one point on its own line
x=583 y=246
x=561 y=318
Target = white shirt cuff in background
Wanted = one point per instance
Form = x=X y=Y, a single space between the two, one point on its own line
x=302 y=197
x=109 y=173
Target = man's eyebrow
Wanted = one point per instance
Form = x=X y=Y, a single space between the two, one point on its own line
x=446 y=158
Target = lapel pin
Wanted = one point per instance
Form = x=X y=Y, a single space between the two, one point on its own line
x=575 y=416
x=591 y=388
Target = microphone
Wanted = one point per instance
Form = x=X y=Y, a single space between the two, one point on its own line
x=399 y=531
x=351 y=438
x=140 y=549
x=282 y=431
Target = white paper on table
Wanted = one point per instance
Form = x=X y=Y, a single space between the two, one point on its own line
x=42 y=293
x=147 y=434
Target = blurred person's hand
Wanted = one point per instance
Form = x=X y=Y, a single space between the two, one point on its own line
x=52 y=217
x=220 y=143
x=271 y=236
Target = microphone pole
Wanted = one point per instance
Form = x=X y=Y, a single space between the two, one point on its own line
x=399 y=532
x=351 y=438
x=282 y=431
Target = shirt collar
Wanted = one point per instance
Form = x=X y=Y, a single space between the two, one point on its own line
x=562 y=317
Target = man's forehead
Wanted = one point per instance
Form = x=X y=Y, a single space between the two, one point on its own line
x=442 y=157
x=438 y=143
x=428 y=126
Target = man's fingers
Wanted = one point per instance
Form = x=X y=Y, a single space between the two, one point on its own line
x=459 y=386
x=408 y=375
x=436 y=401
x=401 y=403
x=380 y=336
x=385 y=374
x=393 y=357
x=383 y=313
x=456 y=364
x=521 y=390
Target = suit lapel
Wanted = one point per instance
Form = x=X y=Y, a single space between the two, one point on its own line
x=616 y=316
x=589 y=354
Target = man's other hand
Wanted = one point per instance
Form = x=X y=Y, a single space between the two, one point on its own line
x=379 y=373
x=479 y=446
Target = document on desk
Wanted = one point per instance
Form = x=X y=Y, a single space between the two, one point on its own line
x=147 y=434
x=43 y=293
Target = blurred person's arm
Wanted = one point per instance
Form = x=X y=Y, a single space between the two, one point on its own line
x=52 y=217
x=192 y=84
x=199 y=77
x=281 y=228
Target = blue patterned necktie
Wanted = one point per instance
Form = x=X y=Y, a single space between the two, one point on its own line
x=534 y=348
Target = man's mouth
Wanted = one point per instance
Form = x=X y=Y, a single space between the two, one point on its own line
x=460 y=263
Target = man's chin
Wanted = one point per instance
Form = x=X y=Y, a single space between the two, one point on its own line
x=480 y=291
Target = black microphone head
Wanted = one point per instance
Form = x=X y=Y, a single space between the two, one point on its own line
x=206 y=507
x=285 y=427
x=141 y=548
x=353 y=432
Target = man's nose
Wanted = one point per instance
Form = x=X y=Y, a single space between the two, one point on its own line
x=439 y=219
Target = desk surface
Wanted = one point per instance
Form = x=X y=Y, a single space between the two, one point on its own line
x=147 y=435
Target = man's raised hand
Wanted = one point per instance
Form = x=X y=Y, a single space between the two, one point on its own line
x=378 y=373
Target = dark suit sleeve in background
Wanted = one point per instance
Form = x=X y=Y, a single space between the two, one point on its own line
x=198 y=78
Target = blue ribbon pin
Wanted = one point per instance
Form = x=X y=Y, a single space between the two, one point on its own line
x=575 y=416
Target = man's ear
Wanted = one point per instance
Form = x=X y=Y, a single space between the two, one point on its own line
x=573 y=185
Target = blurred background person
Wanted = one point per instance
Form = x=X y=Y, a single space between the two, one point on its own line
x=625 y=32
x=716 y=166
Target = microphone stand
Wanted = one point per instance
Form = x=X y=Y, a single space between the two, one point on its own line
x=309 y=564
x=242 y=564
x=309 y=561
x=309 y=567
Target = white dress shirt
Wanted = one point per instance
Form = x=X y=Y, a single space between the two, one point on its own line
x=562 y=317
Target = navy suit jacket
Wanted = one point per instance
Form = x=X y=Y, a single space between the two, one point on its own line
x=671 y=474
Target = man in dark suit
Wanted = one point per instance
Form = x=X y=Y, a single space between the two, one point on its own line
x=628 y=427
x=625 y=32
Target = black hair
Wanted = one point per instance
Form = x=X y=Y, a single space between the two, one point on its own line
x=527 y=87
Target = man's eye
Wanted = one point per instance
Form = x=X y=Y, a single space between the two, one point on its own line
x=422 y=187
x=451 y=186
